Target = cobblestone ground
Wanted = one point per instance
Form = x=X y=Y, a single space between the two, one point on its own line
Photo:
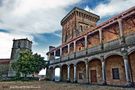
x=48 y=85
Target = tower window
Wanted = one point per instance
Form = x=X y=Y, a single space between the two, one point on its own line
x=115 y=73
x=81 y=28
x=19 y=44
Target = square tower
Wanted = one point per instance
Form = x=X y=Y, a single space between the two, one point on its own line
x=19 y=45
x=76 y=22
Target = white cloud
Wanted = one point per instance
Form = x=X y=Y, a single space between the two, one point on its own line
x=111 y=8
x=6 y=41
x=24 y=18
x=33 y=16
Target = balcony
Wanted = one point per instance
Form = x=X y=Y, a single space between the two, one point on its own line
x=81 y=53
x=71 y=55
x=57 y=60
x=64 y=58
x=52 y=61
x=112 y=45
x=130 y=39
x=94 y=49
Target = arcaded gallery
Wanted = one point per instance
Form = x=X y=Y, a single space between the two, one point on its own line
x=95 y=54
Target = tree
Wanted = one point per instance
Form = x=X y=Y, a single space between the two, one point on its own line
x=38 y=63
x=28 y=63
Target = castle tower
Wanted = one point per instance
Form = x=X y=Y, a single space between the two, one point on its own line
x=76 y=23
x=19 y=45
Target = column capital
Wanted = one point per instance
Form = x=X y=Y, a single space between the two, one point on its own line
x=86 y=60
x=68 y=65
x=74 y=65
x=119 y=20
x=100 y=29
x=102 y=58
x=124 y=51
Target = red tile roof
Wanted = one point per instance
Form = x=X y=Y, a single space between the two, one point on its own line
x=4 y=61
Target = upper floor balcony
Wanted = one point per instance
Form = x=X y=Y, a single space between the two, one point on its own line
x=108 y=46
x=111 y=35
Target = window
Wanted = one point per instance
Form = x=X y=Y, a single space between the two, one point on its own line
x=115 y=73
x=81 y=28
x=19 y=44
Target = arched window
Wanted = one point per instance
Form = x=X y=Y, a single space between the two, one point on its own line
x=81 y=28
x=19 y=44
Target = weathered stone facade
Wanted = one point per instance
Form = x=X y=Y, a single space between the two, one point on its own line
x=19 y=45
x=4 y=67
x=99 y=54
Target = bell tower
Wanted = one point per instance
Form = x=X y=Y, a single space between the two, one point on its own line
x=19 y=45
x=76 y=22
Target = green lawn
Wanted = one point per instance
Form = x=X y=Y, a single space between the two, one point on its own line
x=48 y=85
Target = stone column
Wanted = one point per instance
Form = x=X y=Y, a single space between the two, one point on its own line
x=103 y=71
x=74 y=46
x=54 y=54
x=100 y=35
x=74 y=49
x=87 y=73
x=53 y=76
x=120 y=27
x=60 y=73
x=86 y=41
x=127 y=68
x=101 y=38
x=68 y=78
x=75 y=79
x=61 y=51
x=122 y=39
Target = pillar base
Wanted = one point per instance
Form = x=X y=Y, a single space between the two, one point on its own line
x=68 y=81
x=104 y=83
x=129 y=84
x=75 y=81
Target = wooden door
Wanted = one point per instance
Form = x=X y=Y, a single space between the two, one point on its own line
x=93 y=76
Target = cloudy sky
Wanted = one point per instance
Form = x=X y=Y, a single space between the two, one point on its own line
x=39 y=20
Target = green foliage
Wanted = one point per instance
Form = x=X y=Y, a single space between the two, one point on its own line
x=28 y=63
x=38 y=62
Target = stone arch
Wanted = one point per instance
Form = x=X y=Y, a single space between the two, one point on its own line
x=93 y=58
x=115 y=70
x=57 y=72
x=95 y=71
x=78 y=61
x=57 y=66
x=81 y=72
x=131 y=50
x=111 y=54
x=132 y=64
x=71 y=72
x=64 y=72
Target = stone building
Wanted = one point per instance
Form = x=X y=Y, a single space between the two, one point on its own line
x=95 y=54
x=4 y=67
x=19 y=45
